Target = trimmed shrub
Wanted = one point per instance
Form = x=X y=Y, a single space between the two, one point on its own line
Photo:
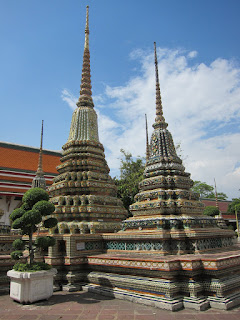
x=27 y=218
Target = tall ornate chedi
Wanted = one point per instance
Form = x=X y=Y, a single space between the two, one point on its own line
x=165 y=189
x=166 y=210
x=83 y=193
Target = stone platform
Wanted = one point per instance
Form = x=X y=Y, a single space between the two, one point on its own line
x=170 y=282
x=196 y=281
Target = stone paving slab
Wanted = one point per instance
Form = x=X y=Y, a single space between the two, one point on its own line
x=88 y=306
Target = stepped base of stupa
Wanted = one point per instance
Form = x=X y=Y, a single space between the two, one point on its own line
x=210 y=278
x=170 y=235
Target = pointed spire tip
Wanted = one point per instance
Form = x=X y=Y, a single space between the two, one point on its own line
x=85 y=98
x=159 y=120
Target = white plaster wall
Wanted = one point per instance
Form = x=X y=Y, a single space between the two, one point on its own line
x=7 y=205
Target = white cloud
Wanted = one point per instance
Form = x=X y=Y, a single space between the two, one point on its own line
x=192 y=54
x=200 y=103
x=68 y=97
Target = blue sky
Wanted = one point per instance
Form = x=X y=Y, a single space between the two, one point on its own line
x=198 y=51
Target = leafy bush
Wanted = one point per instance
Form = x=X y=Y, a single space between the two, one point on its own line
x=45 y=242
x=34 y=195
x=18 y=244
x=234 y=206
x=45 y=207
x=31 y=217
x=27 y=218
x=36 y=266
x=211 y=211
x=17 y=224
x=17 y=213
x=16 y=255
x=131 y=173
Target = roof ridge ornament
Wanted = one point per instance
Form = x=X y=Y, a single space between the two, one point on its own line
x=85 y=99
x=159 y=120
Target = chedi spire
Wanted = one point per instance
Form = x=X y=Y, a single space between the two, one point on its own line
x=159 y=120
x=84 y=125
x=85 y=98
x=39 y=180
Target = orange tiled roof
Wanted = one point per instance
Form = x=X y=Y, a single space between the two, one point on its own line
x=18 y=165
x=26 y=158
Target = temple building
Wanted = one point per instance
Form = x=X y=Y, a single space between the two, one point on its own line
x=18 y=174
x=18 y=166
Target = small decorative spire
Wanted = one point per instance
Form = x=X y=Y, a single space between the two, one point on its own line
x=159 y=120
x=39 y=180
x=85 y=99
x=147 y=144
x=216 y=198
x=40 y=170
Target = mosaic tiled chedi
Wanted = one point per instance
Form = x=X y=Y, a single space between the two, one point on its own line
x=83 y=193
x=166 y=209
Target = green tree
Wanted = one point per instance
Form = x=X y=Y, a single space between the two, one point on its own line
x=131 y=173
x=211 y=211
x=234 y=205
x=35 y=209
x=207 y=191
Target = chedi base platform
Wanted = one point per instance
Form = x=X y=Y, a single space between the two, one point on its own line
x=170 y=282
x=195 y=281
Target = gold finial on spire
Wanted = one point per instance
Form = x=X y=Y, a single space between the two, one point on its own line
x=147 y=144
x=85 y=99
x=159 y=120
x=86 y=45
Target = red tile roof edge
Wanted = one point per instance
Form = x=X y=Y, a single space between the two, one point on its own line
x=27 y=148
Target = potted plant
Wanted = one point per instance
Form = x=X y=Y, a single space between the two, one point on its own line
x=32 y=281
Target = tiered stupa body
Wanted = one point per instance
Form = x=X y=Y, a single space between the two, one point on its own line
x=84 y=194
x=165 y=189
x=166 y=208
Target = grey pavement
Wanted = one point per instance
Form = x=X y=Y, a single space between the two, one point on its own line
x=88 y=306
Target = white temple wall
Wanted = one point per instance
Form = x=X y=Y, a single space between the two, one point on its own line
x=7 y=205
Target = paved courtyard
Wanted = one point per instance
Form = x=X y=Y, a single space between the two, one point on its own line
x=87 y=306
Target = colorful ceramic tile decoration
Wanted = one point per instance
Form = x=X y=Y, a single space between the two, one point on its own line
x=84 y=194
x=168 y=254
